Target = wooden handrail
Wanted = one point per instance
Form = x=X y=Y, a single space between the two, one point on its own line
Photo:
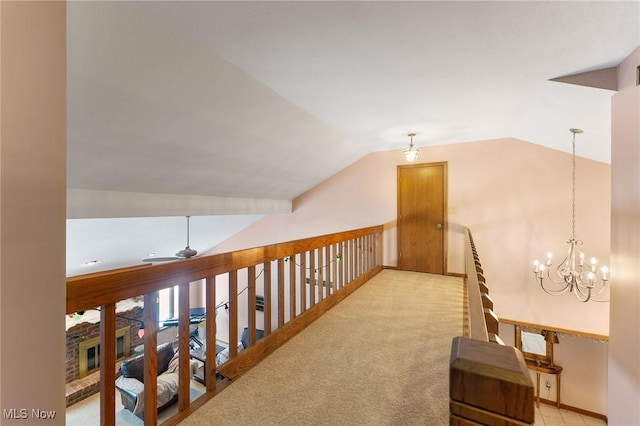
x=97 y=289
x=556 y=329
x=488 y=382
x=477 y=323
x=356 y=256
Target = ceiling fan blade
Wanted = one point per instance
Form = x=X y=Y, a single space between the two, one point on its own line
x=160 y=259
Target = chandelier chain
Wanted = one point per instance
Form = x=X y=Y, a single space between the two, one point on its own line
x=573 y=205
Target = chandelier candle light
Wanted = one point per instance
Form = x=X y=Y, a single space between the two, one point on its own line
x=573 y=274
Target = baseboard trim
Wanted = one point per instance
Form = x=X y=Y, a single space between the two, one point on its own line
x=456 y=274
x=449 y=274
x=575 y=409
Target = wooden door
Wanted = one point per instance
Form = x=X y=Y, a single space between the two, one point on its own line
x=422 y=206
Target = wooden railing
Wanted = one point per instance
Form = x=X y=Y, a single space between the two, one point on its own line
x=488 y=382
x=300 y=281
x=477 y=326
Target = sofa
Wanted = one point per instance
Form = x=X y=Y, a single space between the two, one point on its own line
x=130 y=383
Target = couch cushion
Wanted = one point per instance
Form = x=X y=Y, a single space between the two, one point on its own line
x=244 y=338
x=134 y=367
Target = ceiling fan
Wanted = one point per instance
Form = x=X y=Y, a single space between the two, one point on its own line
x=185 y=253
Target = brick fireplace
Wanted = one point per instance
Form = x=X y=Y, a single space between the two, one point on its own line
x=79 y=388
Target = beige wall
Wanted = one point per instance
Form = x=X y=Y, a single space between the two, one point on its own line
x=624 y=345
x=32 y=200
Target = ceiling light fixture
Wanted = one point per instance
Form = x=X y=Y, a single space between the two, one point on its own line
x=411 y=153
x=572 y=274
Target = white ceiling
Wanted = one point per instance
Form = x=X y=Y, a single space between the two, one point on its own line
x=264 y=100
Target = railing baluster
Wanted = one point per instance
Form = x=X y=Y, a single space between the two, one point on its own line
x=151 y=360
x=233 y=314
x=360 y=258
x=303 y=282
x=251 y=303
x=267 y=298
x=356 y=258
x=312 y=278
x=184 y=375
x=349 y=269
x=210 y=367
x=327 y=270
x=363 y=254
x=107 y=363
x=292 y=288
x=281 y=306
x=369 y=252
x=340 y=266
x=321 y=274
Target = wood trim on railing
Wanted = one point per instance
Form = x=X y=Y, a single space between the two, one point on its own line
x=210 y=305
x=312 y=278
x=108 y=358
x=488 y=382
x=233 y=313
x=477 y=323
x=281 y=308
x=267 y=297
x=184 y=376
x=556 y=329
x=251 y=303
x=151 y=360
x=91 y=290
x=292 y=289
x=303 y=280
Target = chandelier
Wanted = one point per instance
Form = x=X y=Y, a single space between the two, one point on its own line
x=574 y=273
x=411 y=153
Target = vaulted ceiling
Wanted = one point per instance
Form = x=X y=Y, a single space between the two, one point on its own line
x=235 y=108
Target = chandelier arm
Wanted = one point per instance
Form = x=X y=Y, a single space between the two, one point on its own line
x=586 y=283
x=598 y=300
x=555 y=292
x=552 y=291
x=580 y=292
x=557 y=281
x=583 y=282
x=593 y=297
x=603 y=287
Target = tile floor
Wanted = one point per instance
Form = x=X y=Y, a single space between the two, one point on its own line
x=548 y=415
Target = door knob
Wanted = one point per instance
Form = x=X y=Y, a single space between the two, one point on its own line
x=439 y=226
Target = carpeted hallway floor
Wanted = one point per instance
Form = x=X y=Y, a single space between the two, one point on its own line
x=380 y=357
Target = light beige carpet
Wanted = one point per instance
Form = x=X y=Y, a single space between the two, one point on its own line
x=380 y=357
